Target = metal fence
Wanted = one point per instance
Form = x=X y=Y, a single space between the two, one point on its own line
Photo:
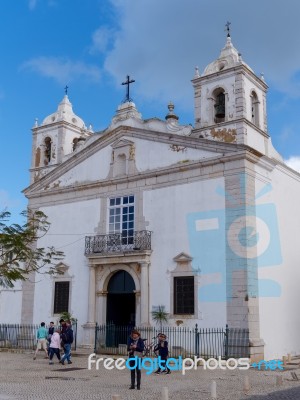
x=183 y=341
x=23 y=336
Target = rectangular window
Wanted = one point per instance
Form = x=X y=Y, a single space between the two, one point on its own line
x=184 y=295
x=61 y=297
x=121 y=218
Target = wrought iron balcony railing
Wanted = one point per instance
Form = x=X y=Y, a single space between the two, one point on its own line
x=117 y=243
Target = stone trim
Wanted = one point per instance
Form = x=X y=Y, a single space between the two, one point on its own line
x=103 y=275
x=242 y=68
x=138 y=257
x=168 y=176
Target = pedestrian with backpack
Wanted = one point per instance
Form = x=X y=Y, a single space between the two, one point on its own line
x=67 y=340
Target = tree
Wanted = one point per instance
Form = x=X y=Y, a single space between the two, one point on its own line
x=160 y=316
x=19 y=255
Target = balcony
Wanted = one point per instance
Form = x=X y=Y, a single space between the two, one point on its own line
x=116 y=243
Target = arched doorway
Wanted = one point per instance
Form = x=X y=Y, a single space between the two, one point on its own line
x=121 y=299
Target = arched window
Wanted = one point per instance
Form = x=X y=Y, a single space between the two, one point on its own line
x=219 y=105
x=48 y=145
x=75 y=142
x=254 y=108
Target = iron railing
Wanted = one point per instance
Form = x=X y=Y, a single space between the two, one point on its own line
x=23 y=336
x=118 y=243
x=183 y=341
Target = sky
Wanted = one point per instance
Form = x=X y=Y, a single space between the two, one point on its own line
x=92 y=45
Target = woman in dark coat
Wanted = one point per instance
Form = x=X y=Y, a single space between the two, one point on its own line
x=135 y=347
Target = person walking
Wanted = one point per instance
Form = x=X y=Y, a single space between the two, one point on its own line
x=135 y=347
x=63 y=325
x=54 y=347
x=50 y=333
x=41 y=336
x=67 y=337
x=162 y=350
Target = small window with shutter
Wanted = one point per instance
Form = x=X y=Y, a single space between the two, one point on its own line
x=184 y=301
x=61 y=297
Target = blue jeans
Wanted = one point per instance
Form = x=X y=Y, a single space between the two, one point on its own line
x=67 y=355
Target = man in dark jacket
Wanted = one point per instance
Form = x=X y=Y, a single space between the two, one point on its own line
x=135 y=347
x=67 y=339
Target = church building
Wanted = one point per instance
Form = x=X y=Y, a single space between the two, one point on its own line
x=201 y=219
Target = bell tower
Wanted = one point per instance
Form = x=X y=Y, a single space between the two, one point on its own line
x=230 y=101
x=59 y=135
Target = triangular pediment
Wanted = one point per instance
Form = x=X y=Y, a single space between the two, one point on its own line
x=150 y=151
x=121 y=143
x=62 y=268
x=183 y=258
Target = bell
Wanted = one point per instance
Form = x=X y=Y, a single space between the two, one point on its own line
x=220 y=106
x=220 y=111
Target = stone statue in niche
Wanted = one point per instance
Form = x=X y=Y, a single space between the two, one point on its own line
x=37 y=157
x=132 y=152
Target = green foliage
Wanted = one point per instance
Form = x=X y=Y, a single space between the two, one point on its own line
x=67 y=316
x=19 y=255
x=160 y=316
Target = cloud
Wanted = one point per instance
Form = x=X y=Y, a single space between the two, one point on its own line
x=101 y=39
x=159 y=43
x=32 y=4
x=294 y=162
x=62 y=70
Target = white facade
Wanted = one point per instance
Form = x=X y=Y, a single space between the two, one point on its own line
x=219 y=204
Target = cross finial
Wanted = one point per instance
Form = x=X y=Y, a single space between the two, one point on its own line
x=66 y=89
x=127 y=82
x=228 y=28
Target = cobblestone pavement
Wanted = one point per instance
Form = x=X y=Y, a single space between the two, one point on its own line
x=23 y=378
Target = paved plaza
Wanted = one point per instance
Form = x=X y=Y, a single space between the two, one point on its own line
x=23 y=378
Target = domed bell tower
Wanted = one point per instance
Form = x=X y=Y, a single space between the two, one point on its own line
x=230 y=101
x=59 y=135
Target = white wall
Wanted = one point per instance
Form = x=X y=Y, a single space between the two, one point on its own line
x=96 y=167
x=11 y=305
x=151 y=155
x=70 y=223
x=279 y=313
x=166 y=210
